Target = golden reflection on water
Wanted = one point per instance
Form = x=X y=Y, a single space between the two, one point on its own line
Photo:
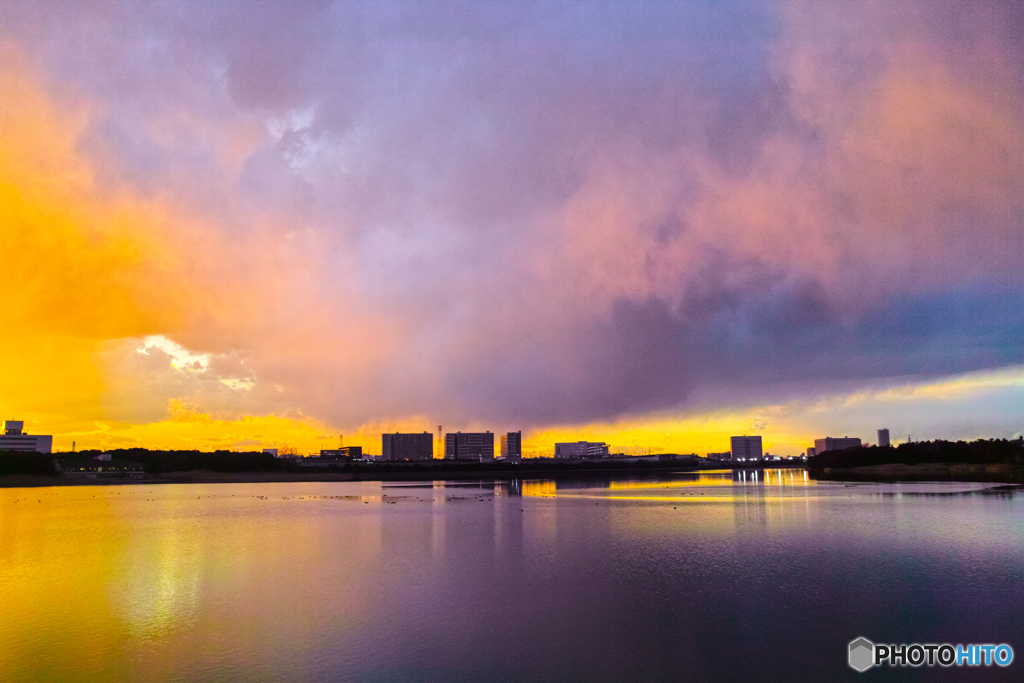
x=41 y=534
x=698 y=479
x=539 y=487
x=712 y=504
x=160 y=583
x=110 y=582
x=743 y=485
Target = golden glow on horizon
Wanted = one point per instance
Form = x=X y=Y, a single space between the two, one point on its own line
x=950 y=388
x=699 y=434
x=701 y=479
x=187 y=429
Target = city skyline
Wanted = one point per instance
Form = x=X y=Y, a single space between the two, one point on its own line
x=480 y=447
x=658 y=226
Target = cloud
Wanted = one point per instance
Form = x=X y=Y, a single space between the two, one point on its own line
x=527 y=213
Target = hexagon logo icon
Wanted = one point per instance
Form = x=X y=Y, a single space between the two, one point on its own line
x=862 y=654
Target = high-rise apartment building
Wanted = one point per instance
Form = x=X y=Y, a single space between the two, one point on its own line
x=512 y=446
x=835 y=444
x=15 y=439
x=407 y=446
x=469 y=446
x=883 y=438
x=746 y=448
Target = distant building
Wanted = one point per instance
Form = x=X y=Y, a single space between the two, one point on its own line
x=344 y=453
x=408 y=446
x=811 y=452
x=581 y=450
x=512 y=446
x=469 y=446
x=270 y=451
x=835 y=444
x=678 y=457
x=720 y=456
x=746 y=448
x=100 y=467
x=15 y=439
x=883 y=438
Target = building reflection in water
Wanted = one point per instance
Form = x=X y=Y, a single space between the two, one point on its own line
x=512 y=488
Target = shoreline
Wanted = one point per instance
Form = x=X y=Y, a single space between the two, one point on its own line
x=921 y=472
x=378 y=473
x=938 y=472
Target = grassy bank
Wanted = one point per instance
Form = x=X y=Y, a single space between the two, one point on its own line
x=438 y=470
x=1005 y=473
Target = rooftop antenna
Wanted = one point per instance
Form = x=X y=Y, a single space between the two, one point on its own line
x=72 y=446
x=341 y=440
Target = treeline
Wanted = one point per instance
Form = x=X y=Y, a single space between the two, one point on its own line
x=154 y=462
x=981 y=452
x=157 y=462
x=160 y=462
x=18 y=462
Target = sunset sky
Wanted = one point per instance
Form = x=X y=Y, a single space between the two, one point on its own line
x=267 y=223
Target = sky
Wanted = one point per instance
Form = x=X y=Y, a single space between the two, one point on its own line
x=657 y=224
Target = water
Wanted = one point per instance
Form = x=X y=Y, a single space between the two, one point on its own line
x=692 y=578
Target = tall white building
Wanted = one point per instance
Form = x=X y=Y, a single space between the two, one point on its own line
x=746 y=448
x=15 y=439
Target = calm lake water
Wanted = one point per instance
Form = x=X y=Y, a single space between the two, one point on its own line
x=710 y=577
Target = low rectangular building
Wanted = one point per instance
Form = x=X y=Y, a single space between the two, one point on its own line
x=581 y=450
x=321 y=462
x=100 y=467
x=344 y=453
x=403 y=447
x=835 y=444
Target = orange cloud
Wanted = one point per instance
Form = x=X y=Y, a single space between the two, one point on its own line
x=75 y=271
x=84 y=265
